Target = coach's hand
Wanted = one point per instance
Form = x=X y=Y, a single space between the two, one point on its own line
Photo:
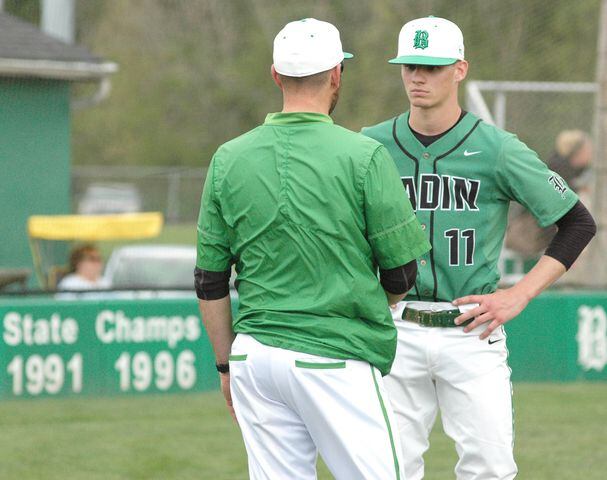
x=225 y=389
x=495 y=309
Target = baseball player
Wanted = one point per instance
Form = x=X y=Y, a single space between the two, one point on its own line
x=307 y=210
x=461 y=174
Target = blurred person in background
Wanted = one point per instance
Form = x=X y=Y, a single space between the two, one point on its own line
x=572 y=160
x=85 y=270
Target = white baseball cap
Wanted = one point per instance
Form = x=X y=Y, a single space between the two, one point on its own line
x=430 y=41
x=306 y=47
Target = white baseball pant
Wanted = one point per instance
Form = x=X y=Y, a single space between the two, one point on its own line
x=468 y=379
x=292 y=405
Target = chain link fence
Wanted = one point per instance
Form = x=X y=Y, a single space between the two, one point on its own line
x=174 y=191
x=556 y=119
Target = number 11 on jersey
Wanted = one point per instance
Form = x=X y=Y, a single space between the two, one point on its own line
x=454 y=235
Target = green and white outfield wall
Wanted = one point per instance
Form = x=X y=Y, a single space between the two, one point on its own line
x=52 y=347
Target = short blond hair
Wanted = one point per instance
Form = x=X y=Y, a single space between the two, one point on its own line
x=570 y=141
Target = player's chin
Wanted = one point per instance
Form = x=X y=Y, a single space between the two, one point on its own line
x=421 y=102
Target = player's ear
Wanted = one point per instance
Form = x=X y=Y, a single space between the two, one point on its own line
x=336 y=76
x=276 y=77
x=461 y=70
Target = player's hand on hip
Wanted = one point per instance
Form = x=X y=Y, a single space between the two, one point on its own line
x=494 y=309
x=227 y=394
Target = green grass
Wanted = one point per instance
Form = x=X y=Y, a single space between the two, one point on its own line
x=560 y=434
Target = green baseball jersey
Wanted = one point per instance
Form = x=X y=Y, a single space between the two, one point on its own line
x=308 y=210
x=461 y=187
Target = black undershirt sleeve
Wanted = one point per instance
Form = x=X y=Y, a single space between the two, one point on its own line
x=575 y=230
x=398 y=280
x=211 y=285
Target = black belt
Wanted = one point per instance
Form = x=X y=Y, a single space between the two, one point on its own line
x=429 y=318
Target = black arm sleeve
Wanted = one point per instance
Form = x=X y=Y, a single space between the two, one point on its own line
x=575 y=230
x=211 y=285
x=400 y=279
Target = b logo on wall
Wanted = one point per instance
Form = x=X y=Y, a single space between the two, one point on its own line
x=592 y=337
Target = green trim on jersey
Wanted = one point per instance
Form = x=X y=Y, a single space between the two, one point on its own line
x=461 y=187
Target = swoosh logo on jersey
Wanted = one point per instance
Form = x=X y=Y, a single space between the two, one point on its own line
x=495 y=341
x=467 y=153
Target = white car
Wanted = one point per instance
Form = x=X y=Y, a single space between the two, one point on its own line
x=149 y=271
x=154 y=267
